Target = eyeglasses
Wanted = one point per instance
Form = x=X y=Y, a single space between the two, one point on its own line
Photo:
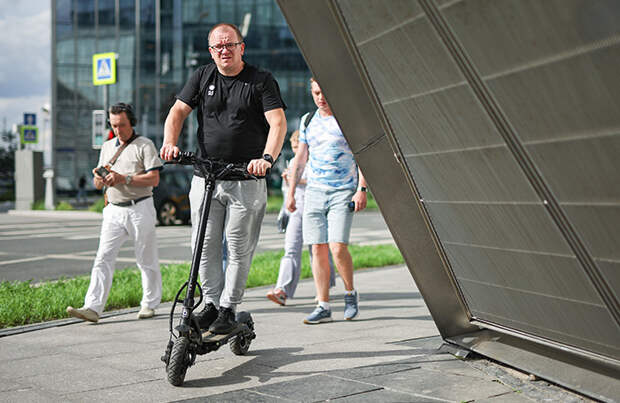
x=227 y=46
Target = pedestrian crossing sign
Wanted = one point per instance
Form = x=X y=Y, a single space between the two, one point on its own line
x=104 y=68
x=29 y=134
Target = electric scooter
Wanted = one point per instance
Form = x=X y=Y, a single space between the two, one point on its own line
x=187 y=339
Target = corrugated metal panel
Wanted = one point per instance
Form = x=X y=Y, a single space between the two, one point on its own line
x=506 y=120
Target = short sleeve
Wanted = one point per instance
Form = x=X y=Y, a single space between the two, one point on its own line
x=191 y=89
x=151 y=157
x=100 y=163
x=302 y=129
x=104 y=154
x=270 y=96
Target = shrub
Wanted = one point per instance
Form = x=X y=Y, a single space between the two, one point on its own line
x=97 y=206
x=38 y=205
x=63 y=205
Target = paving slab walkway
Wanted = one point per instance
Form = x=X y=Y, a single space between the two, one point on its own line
x=393 y=353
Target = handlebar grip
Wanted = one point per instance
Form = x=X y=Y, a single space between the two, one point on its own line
x=183 y=158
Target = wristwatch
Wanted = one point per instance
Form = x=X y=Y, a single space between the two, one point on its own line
x=128 y=179
x=268 y=158
x=362 y=189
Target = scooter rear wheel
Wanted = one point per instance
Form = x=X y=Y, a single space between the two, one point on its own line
x=179 y=361
x=240 y=344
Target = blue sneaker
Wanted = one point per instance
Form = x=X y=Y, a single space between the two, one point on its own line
x=351 y=305
x=319 y=315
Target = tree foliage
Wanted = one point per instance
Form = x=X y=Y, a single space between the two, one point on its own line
x=7 y=166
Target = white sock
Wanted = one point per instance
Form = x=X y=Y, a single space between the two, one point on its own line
x=349 y=292
x=324 y=305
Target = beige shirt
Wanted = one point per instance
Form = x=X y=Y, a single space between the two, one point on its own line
x=138 y=157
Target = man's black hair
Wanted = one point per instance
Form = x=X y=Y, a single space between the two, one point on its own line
x=121 y=107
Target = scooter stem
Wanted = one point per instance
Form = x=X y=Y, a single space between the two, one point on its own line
x=188 y=302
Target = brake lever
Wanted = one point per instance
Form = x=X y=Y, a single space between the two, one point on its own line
x=224 y=171
x=176 y=160
x=182 y=158
x=246 y=173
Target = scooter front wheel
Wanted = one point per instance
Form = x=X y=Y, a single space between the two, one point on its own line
x=179 y=361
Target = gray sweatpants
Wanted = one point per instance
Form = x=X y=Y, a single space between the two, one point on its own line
x=237 y=209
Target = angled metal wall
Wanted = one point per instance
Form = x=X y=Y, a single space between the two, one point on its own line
x=504 y=118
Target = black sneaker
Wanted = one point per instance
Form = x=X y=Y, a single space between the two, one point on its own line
x=225 y=322
x=206 y=316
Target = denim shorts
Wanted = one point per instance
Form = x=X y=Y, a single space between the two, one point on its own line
x=326 y=215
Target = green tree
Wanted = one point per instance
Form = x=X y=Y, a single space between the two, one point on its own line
x=7 y=166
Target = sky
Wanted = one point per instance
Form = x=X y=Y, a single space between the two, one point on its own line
x=25 y=57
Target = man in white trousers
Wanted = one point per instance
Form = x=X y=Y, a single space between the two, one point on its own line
x=131 y=171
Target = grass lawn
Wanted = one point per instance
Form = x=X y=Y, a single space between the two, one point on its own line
x=274 y=202
x=22 y=302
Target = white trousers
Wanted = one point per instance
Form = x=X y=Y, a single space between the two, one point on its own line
x=119 y=224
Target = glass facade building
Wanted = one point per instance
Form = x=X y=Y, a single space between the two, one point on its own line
x=158 y=43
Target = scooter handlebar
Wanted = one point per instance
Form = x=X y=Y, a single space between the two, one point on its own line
x=217 y=167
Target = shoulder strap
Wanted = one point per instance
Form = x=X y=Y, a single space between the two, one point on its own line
x=121 y=148
x=309 y=117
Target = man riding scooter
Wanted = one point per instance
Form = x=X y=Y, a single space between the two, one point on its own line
x=187 y=339
x=240 y=120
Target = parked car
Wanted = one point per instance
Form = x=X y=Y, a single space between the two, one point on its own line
x=171 y=195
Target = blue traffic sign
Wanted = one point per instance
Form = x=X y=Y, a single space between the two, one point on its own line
x=104 y=71
x=30 y=119
x=29 y=134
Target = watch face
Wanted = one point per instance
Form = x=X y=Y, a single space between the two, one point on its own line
x=268 y=158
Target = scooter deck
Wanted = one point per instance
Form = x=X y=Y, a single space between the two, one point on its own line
x=208 y=337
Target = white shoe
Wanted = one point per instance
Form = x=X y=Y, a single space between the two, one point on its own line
x=146 y=313
x=83 y=313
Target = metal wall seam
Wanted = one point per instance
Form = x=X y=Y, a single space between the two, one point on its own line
x=398 y=154
x=522 y=157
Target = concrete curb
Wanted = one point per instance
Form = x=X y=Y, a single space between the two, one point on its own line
x=11 y=331
x=66 y=214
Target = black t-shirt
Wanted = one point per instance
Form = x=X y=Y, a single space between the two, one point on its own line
x=231 y=117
